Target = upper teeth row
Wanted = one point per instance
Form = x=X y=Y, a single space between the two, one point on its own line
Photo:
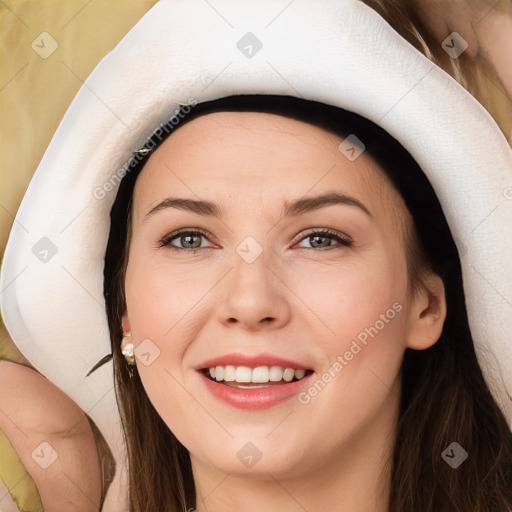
x=260 y=374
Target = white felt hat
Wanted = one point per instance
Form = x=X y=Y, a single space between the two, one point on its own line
x=339 y=52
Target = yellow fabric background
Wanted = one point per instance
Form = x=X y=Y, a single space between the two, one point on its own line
x=17 y=480
x=35 y=93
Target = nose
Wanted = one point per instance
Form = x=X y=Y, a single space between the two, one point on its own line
x=254 y=296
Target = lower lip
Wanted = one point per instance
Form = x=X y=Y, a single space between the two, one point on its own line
x=257 y=398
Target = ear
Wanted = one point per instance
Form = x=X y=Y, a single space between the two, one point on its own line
x=125 y=323
x=427 y=314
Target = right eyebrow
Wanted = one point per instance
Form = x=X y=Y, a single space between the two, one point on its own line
x=191 y=205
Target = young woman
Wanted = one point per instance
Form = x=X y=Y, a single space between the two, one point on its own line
x=359 y=377
x=364 y=310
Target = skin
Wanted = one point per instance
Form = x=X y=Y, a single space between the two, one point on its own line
x=34 y=411
x=326 y=455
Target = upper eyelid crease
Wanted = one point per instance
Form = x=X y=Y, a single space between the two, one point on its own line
x=291 y=208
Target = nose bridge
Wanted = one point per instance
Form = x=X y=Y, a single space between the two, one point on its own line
x=253 y=293
x=251 y=273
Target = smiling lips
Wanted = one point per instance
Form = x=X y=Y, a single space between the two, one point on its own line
x=253 y=382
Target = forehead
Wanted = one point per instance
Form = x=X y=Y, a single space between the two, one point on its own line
x=243 y=157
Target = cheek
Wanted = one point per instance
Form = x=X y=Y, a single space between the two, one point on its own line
x=154 y=301
x=166 y=305
x=160 y=303
x=360 y=296
x=161 y=298
x=365 y=308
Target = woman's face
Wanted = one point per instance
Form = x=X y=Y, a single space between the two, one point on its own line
x=253 y=281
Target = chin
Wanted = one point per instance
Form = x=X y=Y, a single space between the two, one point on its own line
x=256 y=460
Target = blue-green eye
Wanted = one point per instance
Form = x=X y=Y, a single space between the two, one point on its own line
x=189 y=240
x=317 y=239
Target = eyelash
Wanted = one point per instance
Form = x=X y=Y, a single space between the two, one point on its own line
x=343 y=240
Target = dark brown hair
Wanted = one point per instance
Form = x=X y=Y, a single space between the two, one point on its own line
x=444 y=396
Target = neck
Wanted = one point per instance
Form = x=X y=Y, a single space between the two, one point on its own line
x=355 y=478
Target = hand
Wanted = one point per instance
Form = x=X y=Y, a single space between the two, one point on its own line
x=486 y=26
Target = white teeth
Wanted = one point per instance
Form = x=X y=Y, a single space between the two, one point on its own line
x=242 y=374
x=276 y=374
x=229 y=373
x=288 y=374
x=258 y=375
x=299 y=374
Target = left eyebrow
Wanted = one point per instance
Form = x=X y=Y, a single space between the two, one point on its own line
x=308 y=204
x=291 y=208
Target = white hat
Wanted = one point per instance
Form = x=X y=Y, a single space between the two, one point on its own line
x=338 y=52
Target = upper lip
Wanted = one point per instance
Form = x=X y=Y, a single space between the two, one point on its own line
x=251 y=361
